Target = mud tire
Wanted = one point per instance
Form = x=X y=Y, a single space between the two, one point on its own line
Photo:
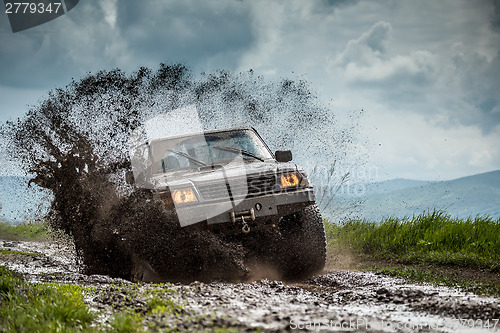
x=302 y=252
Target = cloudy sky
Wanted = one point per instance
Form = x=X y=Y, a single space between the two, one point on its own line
x=425 y=73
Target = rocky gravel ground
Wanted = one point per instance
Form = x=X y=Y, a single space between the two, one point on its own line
x=333 y=301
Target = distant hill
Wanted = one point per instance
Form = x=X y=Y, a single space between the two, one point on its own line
x=463 y=197
x=393 y=185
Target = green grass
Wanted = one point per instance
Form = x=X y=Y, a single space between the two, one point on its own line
x=431 y=247
x=27 y=231
x=126 y=322
x=30 y=307
x=52 y=307
x=427 y=238
x=6 y=252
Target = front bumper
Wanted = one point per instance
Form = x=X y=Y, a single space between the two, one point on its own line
x=267 y=207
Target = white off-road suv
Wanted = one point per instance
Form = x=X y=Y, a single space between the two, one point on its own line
x=230 y=181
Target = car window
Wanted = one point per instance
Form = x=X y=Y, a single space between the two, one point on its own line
x=205 y=149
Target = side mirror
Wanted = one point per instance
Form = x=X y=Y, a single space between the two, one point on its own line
x=283 y=155
x=129 y=177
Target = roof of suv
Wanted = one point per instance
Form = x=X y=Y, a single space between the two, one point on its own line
x=242 y=128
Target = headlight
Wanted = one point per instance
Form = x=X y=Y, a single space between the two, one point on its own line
x=184 y=195
x=290 y=180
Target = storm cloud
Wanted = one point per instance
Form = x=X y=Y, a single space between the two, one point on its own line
x=436 y=61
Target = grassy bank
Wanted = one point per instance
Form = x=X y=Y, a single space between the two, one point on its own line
x=431 y=247
x=28 y=307
x=26 y=231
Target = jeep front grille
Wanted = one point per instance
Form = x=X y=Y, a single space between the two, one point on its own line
x=254 y=186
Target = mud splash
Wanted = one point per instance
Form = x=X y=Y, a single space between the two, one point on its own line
x=75 y=144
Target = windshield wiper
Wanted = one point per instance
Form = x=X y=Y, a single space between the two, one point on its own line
x=187 y=156
x=239 y=151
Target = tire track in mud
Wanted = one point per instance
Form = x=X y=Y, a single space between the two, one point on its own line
x=332 y=301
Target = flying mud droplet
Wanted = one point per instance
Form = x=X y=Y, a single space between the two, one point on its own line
x=75 y=145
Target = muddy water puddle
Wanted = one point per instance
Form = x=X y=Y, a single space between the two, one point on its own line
x=332 y=301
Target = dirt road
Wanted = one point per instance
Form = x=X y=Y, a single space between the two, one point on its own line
x=333 y=301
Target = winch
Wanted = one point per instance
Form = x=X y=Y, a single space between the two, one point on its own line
x=241 y=216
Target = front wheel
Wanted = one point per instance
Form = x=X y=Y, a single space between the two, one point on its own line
x=302 y=252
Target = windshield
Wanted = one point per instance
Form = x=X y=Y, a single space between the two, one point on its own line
x=208 y=149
